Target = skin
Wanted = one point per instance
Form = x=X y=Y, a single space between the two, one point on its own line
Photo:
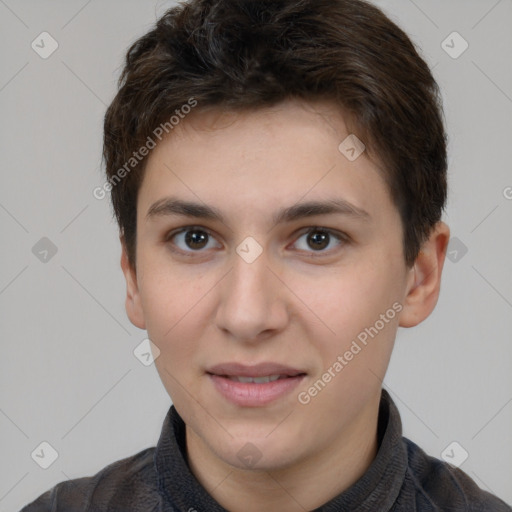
x=295 y=304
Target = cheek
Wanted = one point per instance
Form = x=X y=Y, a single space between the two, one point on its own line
x=349 y=299
x=167 y=290
x=171 y=304
x=350 y=310
x=172 y=309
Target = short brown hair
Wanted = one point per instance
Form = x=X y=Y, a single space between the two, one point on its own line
x=249 y=54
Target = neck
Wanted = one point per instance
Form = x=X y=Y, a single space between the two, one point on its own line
x=306 y=484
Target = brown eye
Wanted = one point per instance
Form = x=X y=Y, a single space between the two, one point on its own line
x=196 y=239
x=318 y=239
x=190 y=239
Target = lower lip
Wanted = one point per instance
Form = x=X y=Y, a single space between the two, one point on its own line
x=252 y=394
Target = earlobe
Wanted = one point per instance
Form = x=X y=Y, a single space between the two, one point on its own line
x=424 y=281
x=133 y=303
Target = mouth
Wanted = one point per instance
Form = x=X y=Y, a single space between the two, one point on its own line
x=256 y=380
x=254 y=386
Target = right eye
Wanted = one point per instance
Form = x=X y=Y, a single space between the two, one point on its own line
x=189 y=240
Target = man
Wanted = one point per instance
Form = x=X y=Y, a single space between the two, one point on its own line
x=278 y=173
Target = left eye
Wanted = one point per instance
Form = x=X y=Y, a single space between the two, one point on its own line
x=320 y=238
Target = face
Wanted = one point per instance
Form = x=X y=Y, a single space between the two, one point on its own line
x=248 y=276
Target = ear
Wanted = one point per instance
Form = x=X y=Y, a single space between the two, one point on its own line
x=133 y=303
x=424 y=279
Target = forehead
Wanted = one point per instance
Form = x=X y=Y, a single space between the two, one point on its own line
x=262 y=158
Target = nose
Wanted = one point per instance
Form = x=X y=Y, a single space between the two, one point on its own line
x=252 y=301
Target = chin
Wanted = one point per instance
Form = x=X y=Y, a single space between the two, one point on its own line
x=259 y=453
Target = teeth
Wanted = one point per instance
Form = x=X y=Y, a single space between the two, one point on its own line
x=257 y=380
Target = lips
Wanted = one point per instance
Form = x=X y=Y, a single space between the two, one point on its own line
x=254 y=371
x=256 y=385
x=256 y=380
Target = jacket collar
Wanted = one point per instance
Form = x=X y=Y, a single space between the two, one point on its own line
x=377 y=489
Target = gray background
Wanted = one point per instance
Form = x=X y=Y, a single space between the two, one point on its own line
x=68 y=373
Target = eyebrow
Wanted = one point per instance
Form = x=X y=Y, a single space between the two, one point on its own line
x=170 y=206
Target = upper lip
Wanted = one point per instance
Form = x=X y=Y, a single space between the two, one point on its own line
x=257 y=370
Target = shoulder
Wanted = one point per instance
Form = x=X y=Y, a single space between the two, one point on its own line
x=123 y=483
x=440 y=486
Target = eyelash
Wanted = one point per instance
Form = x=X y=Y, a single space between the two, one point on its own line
x=341 y=237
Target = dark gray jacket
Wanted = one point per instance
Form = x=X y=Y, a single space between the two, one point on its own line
x=402 y=478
